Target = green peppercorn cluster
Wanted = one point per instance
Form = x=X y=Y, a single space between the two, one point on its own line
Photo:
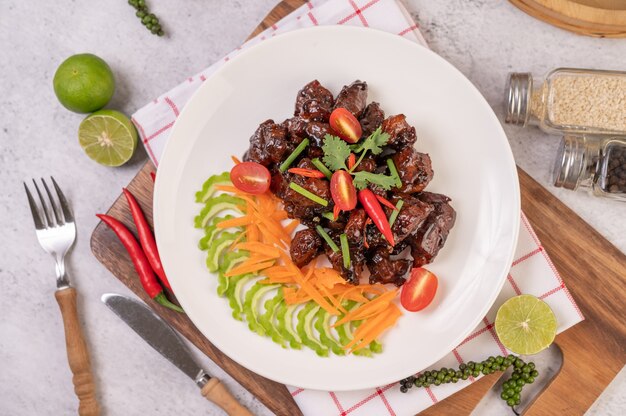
x=149 y=20
x=523 y=373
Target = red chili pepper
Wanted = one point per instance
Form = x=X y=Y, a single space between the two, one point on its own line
x=386 y=202
x=146 y=276
x=351 y=161
x=146 y=238
x=375 y=212
x=336 y=211
x=309 y=173
x=153 y=176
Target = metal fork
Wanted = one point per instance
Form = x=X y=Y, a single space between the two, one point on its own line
x=56 y=232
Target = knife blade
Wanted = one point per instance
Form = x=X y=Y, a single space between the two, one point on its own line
x=160 y=336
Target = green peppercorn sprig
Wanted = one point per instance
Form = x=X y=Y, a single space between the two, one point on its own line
x=149 y=20
x=523 y=373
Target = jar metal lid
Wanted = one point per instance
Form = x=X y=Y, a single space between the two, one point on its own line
x=569 y=162
x=519 y=86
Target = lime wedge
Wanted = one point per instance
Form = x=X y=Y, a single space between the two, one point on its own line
x=108 y=137
x=525 y=325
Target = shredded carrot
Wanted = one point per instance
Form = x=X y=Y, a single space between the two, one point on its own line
x=238 y=239
x=235 y=160
x=362 y=310
x=291 y=226
x=280 y=215
x=249 y=268
x=327 y=277
x=260 y=248
x=235 y=222
x=376 y=329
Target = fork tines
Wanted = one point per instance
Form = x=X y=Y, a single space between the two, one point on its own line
x=55 y=213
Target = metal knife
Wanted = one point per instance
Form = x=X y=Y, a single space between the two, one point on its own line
x=156 y=332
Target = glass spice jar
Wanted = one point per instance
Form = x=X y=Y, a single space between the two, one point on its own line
x=595 y=163
x=578 y=101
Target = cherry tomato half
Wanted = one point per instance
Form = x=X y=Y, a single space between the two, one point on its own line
x=250 y=177
x=345 y=125
x=343 y=191
x=419 y=290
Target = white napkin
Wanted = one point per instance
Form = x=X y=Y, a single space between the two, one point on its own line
x=532 y=272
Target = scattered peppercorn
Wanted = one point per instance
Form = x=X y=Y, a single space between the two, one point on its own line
x=523 y=373
x=149 y=20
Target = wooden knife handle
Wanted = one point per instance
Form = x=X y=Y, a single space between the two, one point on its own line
x=215 y=392
x=77 y=354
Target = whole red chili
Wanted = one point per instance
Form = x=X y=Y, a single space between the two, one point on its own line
x=146 y=276
x=375 y=211
x=146 y=238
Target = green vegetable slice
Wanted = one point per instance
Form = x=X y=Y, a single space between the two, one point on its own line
x=229 y=261
x=345 y=250
x=267 y=320
x=308 y=194
x=251 y=305
x=322 y=168
x=394 y=214
x=303 y=144
x=216 y=248
x=233 y=293
x=322 y=324
x=208 y=188
x=305 y=329
x=216 y=205
x=284 y=318
x=394 y=172
x=327 y=238
x=211 y=231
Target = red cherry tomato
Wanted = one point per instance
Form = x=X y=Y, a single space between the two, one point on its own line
x=345 y=125
x=250 y=177
x=419 y=290
x=343 y=191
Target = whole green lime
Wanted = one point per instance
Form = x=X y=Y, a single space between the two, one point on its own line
x=108 y=137
x=84 y=83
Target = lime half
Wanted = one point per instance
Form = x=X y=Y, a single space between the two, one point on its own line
x=108 y=137
x=525 y=325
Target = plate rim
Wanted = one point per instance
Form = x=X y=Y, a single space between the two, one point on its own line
x=158 y=190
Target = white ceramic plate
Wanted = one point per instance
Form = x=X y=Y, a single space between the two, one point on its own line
x=471 y=158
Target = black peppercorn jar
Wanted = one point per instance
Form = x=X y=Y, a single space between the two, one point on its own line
x=596 y=163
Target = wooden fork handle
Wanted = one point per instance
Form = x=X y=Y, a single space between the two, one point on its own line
x=77 y=354
x=215 y=392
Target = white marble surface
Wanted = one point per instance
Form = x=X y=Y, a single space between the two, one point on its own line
x=485 y=39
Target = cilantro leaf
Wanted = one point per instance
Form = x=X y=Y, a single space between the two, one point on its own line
x=336 y=151
x=361 y=179
x=374 y=143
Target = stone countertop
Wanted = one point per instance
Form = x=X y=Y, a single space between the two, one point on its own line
x=485 y=39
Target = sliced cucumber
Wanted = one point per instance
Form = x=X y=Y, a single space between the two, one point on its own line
x=211 y=231
x=216 y=248
x=322 y=324
x=233 y=293
x=268 y=318
x=305 y=329
x=208 y=188
x=230 y=260
x=251 y=305
x=216 y=205
x=284 y=318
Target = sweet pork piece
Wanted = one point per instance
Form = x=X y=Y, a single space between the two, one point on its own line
x=371 y=119
x=431 y=236
x=305 y=246
x=410 y=218
x=299 y=206
x=384 y=270
x=357 y=262
x=355 y=228
x=315 y=131
x=268 y=144
x=314 y=102
x=401 y=134
x=414 y=168
x=353 y=98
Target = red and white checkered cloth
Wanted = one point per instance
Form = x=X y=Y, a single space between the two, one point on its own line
x=532 y=272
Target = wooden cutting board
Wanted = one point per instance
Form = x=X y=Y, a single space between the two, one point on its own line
x=593 y=269
x=600 y=18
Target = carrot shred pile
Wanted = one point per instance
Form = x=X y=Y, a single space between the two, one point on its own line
x=267 y=240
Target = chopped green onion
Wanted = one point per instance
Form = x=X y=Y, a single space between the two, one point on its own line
x=394 y=172
x=285 y=165
x=327 y=238
x=329 y=216
x=322 y=168
x=308 y=194
x=395 y=212
x=345 y=250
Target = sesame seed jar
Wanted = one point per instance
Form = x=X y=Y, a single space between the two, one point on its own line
x=570 y=101
x=595 y=163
